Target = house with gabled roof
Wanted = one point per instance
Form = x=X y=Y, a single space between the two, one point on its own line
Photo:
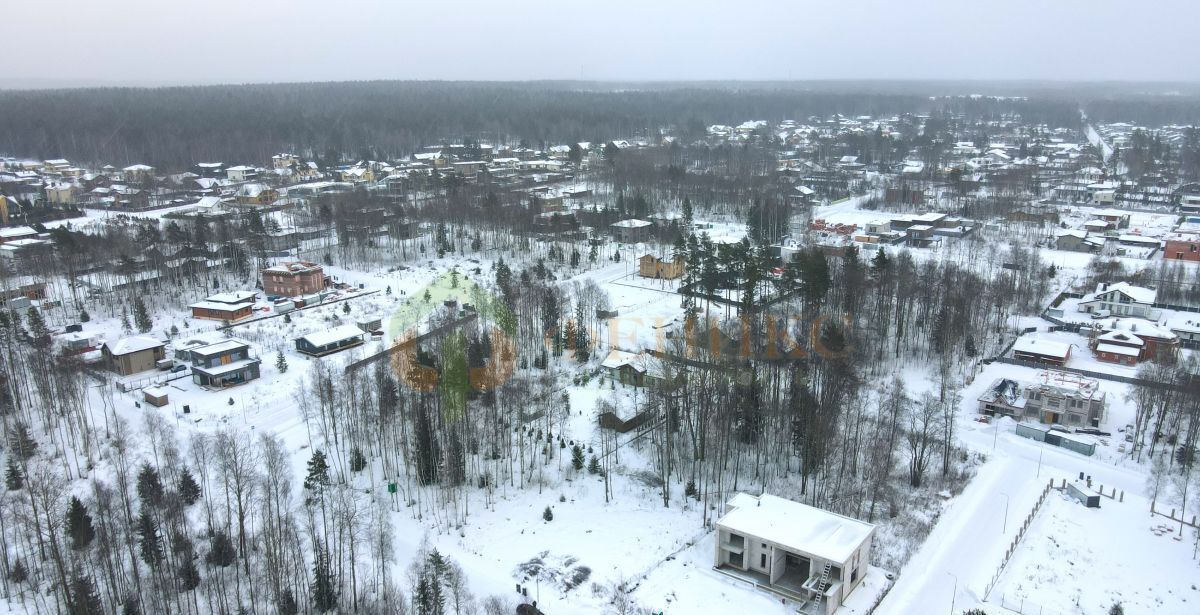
x=131 y=355
x=1120 y=299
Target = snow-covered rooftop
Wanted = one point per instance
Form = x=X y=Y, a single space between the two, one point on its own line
x=1048 y=348
x=136 y=343
x=334 y=335
x=796 y=526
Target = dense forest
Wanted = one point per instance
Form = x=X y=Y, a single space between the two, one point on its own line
x=175 y=127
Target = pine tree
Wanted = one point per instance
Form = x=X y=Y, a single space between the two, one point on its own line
x=21 y=442
x=37 y=328
x=690 y=490
x=220 y=550
x=1116 y=609
x=281 y=362
x=18 y=573
x=125 y=326
x=358 y=461
x=345 y=307
x=189 y=577
x=79 y=525
x=151 y=542
x=287 y=319
x=141 y=316
x=323 y=591
x=132 y=606
x=85 y=600
x=149 y=486
x=594 y=466
x=577 y=460
x=318 y=472
x=286 y=605
x=548 y=515
x=84 y=316
x=189 y=489
x=14 y=479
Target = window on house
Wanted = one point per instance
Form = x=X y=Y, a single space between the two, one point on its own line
x=762 y=561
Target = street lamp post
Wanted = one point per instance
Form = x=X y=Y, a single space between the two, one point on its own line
x=955 y=592
x=1004 y=529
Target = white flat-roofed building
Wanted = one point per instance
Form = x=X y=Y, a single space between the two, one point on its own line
x=809 y=555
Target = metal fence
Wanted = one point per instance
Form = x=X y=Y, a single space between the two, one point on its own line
x=1012 y=548
x=1024 y=606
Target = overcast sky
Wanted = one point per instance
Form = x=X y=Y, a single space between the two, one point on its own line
x=208 y=41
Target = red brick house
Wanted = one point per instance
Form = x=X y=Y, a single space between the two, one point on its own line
x=294 y=278
x=1182 y=247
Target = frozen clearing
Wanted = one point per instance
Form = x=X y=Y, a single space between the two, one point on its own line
x=1060 y=566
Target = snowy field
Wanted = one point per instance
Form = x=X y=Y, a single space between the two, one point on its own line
x=1082 y=560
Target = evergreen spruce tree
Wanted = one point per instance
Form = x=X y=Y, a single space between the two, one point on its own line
x=37 y=328
x=345 y=307
x=286 y=605
x=423 y=596
x=151 y=542
x=132 y=606
x=79 y=525
x=323 y=591
x=149 y=486
x=594 y=466
x=189 y=577
x=548 y=515
x=287 y=319
x=21 y=442
x=14 y=479
x=220 y=550
x=358 y=461
x=189 y=489
x=126 y=328
x=691 y=490
x=85 y=600
x=318 y=472
x=577 y=460
x=84 y=316
x=18 y=573
x=281 y=362
x=141 y=316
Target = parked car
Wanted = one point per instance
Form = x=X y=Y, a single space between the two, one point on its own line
x=179 y=368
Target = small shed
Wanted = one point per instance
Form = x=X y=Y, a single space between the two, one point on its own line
x=155 y=396
x=1085 y=495
x=368 y=326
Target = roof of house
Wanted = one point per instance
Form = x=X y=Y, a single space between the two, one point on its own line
x=219 y=306
x=797 y=526
x=225 y=368
x=631 y=223
x=1118 y=349
x=237 y=296
x=293 y=267
x=218 y=348
x=129 y=345
x=1046 y=348
x=1137 y=293
x=332 y=336
x=1121 y=337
